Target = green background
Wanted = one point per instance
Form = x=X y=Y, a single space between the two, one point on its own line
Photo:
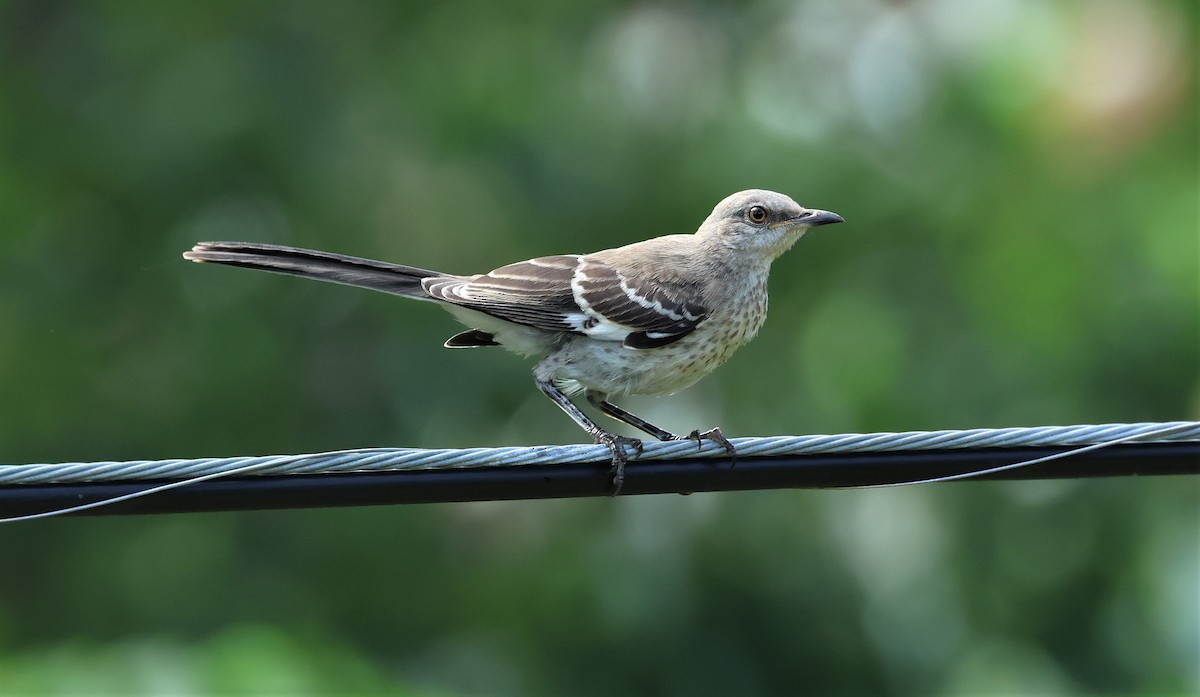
x=1019 y=181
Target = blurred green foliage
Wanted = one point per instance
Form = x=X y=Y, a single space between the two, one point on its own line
x=1020 y=185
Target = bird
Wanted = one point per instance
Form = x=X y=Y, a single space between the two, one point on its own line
x=648 y=318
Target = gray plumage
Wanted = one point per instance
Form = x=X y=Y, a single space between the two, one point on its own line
x=652 y=317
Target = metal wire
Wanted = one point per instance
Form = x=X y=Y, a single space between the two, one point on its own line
x=405 y=459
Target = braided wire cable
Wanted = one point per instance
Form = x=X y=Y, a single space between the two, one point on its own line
x=400 y=459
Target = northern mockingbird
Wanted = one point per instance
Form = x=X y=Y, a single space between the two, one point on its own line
x=651 y=317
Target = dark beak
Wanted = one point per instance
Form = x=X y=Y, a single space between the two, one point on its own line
x=814 y=217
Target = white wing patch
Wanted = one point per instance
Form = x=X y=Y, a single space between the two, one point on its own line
x=642 y=315
x=580 y=295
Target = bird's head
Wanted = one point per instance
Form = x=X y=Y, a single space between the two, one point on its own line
x=761 y=222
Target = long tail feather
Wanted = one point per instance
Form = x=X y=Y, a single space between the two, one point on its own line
x=308 y=263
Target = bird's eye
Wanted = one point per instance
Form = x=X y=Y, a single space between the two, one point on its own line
x=757 y=214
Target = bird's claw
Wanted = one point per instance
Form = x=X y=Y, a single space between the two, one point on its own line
x=715 y=435
x=617 y=445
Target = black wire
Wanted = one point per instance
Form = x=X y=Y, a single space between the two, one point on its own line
x=684 y=475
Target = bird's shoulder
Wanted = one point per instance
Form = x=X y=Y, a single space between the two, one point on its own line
x=668 y=259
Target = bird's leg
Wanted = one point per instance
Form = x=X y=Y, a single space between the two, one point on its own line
x=600 y=401
x=615 y=443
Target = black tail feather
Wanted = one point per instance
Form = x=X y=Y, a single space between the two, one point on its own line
x=472 y=338
x=308 y=263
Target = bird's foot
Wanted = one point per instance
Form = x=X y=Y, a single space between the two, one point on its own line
x=713 y=434
x=617 y=445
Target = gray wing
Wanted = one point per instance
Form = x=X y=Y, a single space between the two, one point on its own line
x=536 y=293
x=580 y=295
x=640 y=311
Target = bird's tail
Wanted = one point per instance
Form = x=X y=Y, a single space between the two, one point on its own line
x=325 y=266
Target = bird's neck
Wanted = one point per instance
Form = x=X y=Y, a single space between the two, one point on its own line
x=725 y=260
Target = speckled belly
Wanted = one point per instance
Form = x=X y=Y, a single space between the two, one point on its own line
x=617 y=370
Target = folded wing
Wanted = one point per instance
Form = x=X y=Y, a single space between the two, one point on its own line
x=581 y=295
